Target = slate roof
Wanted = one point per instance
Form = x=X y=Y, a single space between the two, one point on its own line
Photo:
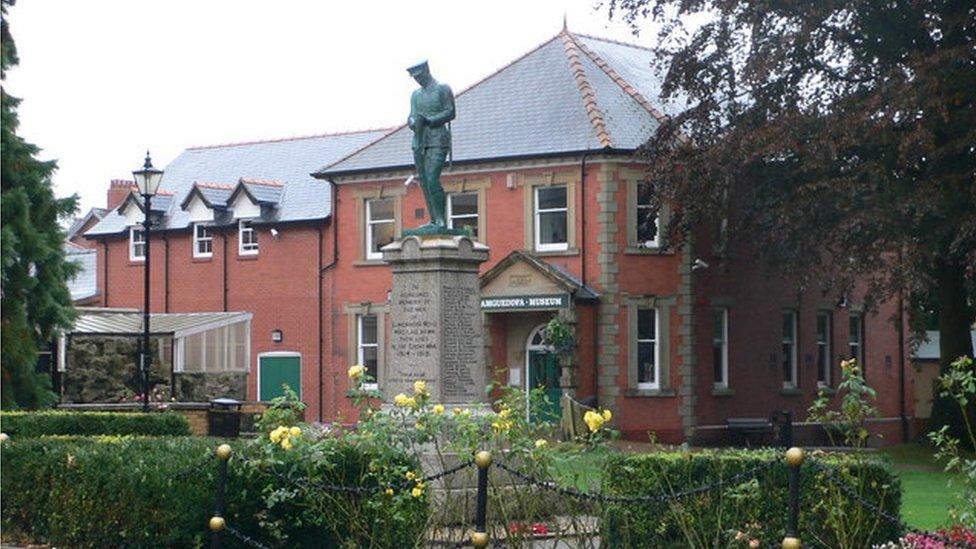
x=288 y=161
x=84 y=283
x=79 y=222
x=573 y=93
x=214 y=195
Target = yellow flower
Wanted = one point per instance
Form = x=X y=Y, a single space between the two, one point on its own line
x=401 y=400
x=295 y=431
x=419 y=426
x=541 y=443
x=504 y=413
x=356 y=371
x=501 y=426
x=286 y=444
x=388 y=491
x=280 y=432
x=420 y=387
x=438 y=409
x=417 y=491
x=607 y=416
x=410 y=475
x=593 y=420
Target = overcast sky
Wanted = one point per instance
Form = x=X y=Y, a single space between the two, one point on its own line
x=102 y=81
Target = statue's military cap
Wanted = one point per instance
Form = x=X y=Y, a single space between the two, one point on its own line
x=419 y=68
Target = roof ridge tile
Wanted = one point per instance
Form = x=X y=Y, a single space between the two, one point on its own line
x=292 y=138
x=586 y=90
x=612 y=41
x=210 y=185
x=619 y=80
x=265 y=182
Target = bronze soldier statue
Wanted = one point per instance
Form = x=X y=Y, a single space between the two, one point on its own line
x=431 y=110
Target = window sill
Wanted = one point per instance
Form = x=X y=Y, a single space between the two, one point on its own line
x=650 y=393
x=202 y=259
x=640 y=250
x=790 y=391
x=368 y=262
x=722 y=391
x=556 y=253
x=826 y=389
x=247 y=257
x=139 y=262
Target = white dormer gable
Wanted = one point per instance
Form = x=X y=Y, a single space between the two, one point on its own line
x=131 y=211
x=198 y=210
x=243 y=208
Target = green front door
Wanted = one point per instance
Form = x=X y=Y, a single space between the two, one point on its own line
x=275 y=371
x=544 y=372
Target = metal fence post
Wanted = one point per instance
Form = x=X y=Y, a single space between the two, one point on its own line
x=479 y=538
x=217 y=522
x=794 y=459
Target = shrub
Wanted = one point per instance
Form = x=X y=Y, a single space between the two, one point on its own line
x=752 y=510
x=159 y=492
x=56 y=422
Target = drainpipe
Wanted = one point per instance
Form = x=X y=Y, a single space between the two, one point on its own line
x=320 y=281
x=224 y=234
x=322 y=271
x=165 y=273
x=583 y=217
x=901 y=364
x=105 y=273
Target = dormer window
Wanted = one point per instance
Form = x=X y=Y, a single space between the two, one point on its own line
x=247 y=238
x=137 y=244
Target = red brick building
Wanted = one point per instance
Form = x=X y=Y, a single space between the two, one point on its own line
x=674 y=341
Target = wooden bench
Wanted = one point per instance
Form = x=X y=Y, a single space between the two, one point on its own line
x=750 y=429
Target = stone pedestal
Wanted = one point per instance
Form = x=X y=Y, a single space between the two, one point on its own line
x=436 y=318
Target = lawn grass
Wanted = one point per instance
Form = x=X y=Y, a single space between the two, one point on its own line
x=926 y=493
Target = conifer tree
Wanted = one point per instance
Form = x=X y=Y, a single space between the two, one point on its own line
x=35 y=297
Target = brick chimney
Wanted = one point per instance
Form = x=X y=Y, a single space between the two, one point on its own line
x=118 y=189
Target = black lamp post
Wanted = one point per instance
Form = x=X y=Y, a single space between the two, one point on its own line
x=147 y=180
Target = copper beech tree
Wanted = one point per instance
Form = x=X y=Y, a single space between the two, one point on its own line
x=836 y=137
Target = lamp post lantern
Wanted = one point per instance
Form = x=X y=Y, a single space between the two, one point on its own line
x=147 y=181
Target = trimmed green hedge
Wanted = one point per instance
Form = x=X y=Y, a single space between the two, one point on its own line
x=757 y=508
x=159 y=492
x=57 y=422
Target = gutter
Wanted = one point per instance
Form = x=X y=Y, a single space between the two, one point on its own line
x=326 y=174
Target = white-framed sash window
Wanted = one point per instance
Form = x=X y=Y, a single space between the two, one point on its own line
x=247 y=238
x=551 y=218
x=367 y=346
x=648 y=229
x=380 y=225
x=462 y=212
x=855 y=339
x=720 y=347
x=823 y=349
x=648 y=362
x=202 y=241
x=789 y=349
x=137 y=244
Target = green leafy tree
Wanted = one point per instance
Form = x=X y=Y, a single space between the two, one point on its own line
x=836 y=138
x=36 y=301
